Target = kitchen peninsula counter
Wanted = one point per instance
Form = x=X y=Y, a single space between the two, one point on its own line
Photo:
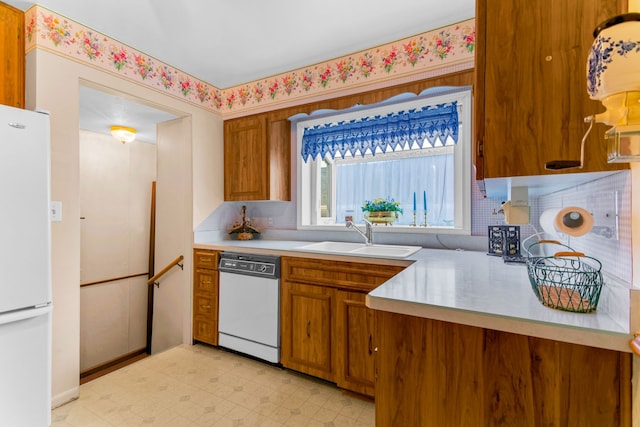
x=467 y=288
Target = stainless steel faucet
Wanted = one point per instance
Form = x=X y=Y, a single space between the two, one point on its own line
x=367 y=234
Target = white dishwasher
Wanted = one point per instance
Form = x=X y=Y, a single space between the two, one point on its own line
x=249 y=306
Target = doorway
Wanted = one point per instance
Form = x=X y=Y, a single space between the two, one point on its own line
x=115 y=204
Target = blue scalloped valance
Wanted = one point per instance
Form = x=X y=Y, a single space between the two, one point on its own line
x=430 y=123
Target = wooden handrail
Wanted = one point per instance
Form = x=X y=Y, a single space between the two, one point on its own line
x=162 y=272
x=97 y=282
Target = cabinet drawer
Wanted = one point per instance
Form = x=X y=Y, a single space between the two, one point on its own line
x=205 y=259
x=204 y=304
x=205 y=281
x=205 y=330
x=338 y=274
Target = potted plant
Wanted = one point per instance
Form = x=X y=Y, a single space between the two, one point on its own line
x=380 y=210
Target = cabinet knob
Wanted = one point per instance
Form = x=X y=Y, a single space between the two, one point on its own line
x=548 y=58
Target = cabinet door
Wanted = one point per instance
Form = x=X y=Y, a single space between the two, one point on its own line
x=280 y=160
x=531 y=85
x=306 y=322
x=11 y=56
x=245 y=159
x=435 y=373
x=354 y=343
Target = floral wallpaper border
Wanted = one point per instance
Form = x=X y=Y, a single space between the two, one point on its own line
x=428 y=51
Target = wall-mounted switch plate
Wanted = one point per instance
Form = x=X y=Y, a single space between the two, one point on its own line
x=56 y=211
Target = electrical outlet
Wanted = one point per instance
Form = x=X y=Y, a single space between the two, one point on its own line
x=269 y=221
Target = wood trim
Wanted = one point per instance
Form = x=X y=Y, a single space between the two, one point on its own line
x=97 y=282
x=112 y=365
x=478 y=90
x=152 y=265
x=152 y=231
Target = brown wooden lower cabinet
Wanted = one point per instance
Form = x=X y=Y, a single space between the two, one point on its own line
x=205 y=296
x=327 y=331
x=434 y=373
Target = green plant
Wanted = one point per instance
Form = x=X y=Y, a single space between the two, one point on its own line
x=381 y=205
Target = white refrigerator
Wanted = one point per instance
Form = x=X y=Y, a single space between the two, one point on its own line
x=25 y=269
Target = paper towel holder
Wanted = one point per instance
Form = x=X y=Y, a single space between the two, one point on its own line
x=572 y=220
x=572 y=164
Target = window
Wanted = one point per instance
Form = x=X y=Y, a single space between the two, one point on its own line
x=350 y=156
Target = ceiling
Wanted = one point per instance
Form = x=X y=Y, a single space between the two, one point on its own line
x=100 y=110
x=230 y=42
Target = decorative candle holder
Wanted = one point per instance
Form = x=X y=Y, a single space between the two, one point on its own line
x=414 y=224
x=424 y=224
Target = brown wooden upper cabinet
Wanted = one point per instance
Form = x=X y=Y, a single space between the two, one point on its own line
x=11 y=56
x=257 y=159
x=530 y=95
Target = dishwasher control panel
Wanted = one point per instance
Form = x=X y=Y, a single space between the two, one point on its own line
x=254 y=265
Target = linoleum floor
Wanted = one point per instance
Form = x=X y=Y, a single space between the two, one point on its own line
x=205 y=386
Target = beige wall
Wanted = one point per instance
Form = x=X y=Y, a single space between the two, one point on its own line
x=172 y=321
x=115 y=200
x=52 y=84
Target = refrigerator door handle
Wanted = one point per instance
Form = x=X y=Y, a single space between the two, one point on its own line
x=16 y=316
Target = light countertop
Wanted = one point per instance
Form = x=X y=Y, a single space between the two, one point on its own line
x=465 y=287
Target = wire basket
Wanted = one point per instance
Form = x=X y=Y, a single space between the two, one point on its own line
x=544 y=248
x=569 y=281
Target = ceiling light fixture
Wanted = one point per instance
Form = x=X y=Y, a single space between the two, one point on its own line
x=123 y=134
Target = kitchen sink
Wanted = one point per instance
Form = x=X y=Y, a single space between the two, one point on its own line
x=331 y=247
x=360 y=249
x=387 y=251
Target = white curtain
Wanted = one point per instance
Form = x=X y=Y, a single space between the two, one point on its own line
x=398 y=179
